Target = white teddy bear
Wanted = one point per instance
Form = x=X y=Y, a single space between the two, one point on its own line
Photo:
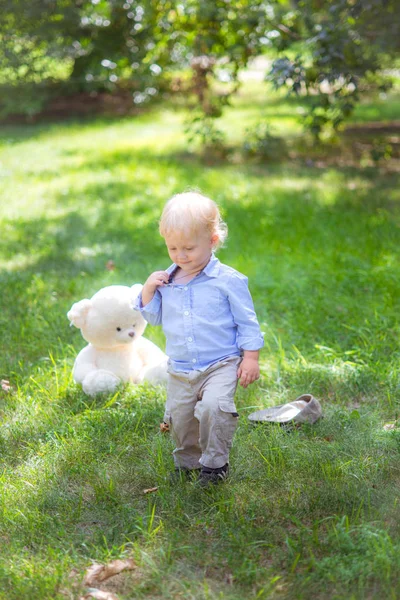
x=117 y=352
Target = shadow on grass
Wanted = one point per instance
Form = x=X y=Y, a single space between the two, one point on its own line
x=89 y=469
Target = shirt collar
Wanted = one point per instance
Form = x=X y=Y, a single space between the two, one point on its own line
x=211 y=269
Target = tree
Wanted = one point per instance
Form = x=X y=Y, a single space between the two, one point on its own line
x=332 y=50
x=36 y=47
x=88 y=45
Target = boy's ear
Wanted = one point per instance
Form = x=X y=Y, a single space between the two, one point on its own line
x=215 y=239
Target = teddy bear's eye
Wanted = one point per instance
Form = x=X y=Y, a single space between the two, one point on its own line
x=118 y=328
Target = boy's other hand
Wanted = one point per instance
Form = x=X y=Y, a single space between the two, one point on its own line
x=248 y=371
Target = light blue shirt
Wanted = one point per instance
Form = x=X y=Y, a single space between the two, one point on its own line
x=206 y=320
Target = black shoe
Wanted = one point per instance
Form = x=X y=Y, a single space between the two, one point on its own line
x=213 y=476
x=184 y=474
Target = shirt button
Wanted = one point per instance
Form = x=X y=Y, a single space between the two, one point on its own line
x=185 y=288
x=190 y=339
x=186 y=313
x=194 y=360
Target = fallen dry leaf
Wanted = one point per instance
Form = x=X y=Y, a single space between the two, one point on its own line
x=99 y=595
x=5 y=385
x=150 y=490
x=110 y=265
x=73 y=574
x=93 y=574
x=97 y=573
x=389 y=426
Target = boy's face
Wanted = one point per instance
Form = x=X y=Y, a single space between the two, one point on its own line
x=192 y=252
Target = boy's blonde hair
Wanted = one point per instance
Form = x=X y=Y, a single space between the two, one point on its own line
x=190 y=213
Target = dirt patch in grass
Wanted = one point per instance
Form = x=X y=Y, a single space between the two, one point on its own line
x=85 y=104
x=373 y=127
x=371 y=145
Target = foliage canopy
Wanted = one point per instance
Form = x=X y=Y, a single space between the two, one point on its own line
x=330 y=50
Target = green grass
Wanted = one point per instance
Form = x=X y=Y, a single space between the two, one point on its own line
x=311 y=513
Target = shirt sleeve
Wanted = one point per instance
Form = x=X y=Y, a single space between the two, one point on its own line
x=249 y=335
x=152 y=311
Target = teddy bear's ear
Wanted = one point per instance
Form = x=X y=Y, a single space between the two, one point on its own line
x=136 y=288
x=79 y=310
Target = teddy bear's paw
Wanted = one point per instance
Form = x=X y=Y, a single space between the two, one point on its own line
x=157 y=375
x=99 y=382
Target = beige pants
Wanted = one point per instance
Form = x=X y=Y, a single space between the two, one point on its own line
x=201 y=413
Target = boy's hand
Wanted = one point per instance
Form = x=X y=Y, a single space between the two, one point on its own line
x=249 y=369
x=155 y=280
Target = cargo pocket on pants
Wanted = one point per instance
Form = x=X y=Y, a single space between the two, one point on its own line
x=226 y=421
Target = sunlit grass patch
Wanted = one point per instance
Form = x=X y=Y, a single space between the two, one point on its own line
x=383 y=107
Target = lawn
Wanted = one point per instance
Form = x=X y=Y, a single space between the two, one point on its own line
x=308 y=513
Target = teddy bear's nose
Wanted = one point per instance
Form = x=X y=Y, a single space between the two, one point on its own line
x=131 y=334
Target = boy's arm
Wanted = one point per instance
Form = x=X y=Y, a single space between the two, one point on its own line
x=155 y=280
x=249 y=337
x=149 y=300
x=152 y=311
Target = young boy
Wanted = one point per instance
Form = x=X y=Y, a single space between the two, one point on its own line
x=212 y=333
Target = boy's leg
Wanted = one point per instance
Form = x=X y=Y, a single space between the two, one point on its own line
x=216 y=413
x=184 y=428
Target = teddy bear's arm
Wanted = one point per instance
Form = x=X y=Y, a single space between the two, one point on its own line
x=84 y=363
x=149 y=353
x=154 y=361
